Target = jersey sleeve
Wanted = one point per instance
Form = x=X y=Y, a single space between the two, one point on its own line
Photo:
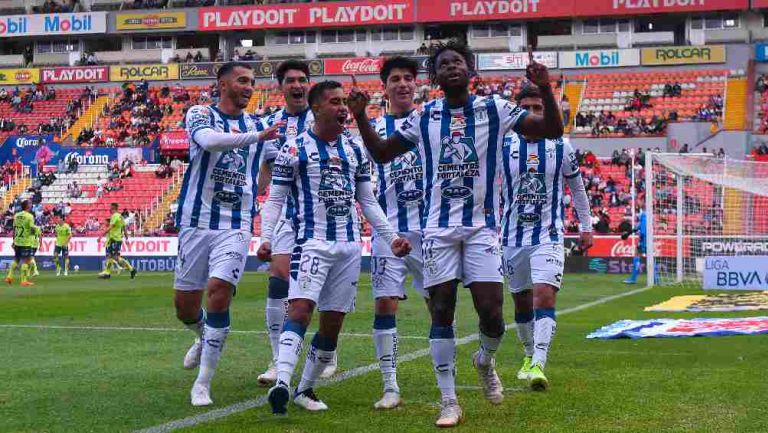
x=510 y=115
x=198 y=117
x=363 y=173
x=409 y=132
x=286 y=164
x=570 y=162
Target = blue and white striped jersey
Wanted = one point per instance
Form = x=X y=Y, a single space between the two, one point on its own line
x=461 y=148
x=400 y=189
x=219 y=188
x=532 y=189
x=295 y=124
x=323 y=178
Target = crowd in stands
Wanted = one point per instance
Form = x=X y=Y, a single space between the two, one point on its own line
x=143 y=4
x=759 y=152
x=59 y=6
x=22 y=101
x=190 y=58
x=606 y=122
x=167 y=169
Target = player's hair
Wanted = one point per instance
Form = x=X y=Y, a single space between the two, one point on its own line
x=26 y=204
x=451 y=45
x=528 y=90
x=117 y=205
x=228 y=67
x=317 y=90
x=398 y=62
x=291 y=65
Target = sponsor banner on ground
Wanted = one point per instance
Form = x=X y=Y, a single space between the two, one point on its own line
x=714 y=303
x=151 y=20
x=294 y=16
x=761 y=52
x=83 y=74
x=148 y=72
x=682 y=328
x=599 y=58
x=362 y=65
x=736 y=273
x=19 y=76
x=53 y=24
x=687 y=55
x=506 y=61
x=174 y=140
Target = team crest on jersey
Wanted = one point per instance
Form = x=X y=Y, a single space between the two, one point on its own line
x=533 y=160
x=481 y=114
x=336 y=192
x=458 y=121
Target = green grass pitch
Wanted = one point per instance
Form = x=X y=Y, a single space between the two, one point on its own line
x=58 y=377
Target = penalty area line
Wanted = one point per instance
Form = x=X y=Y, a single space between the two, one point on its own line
x=350 y=374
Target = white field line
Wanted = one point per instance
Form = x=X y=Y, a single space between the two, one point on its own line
x=346 y=375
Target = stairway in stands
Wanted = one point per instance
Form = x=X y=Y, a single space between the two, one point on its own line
x=88 y=118
x=735 y=104
x=573 y=90
x=155 y=219
x=17 y=188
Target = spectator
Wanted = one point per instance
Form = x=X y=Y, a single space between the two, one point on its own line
x=190 y=58
x=565 y=106
x=677 y=89
x=198 y=57
x=684 y=149
x=27 y=56
x=73 y=165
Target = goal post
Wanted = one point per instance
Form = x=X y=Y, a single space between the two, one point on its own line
x=698 y=205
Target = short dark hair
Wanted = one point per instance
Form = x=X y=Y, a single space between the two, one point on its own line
x=114 y=205
x=398 y=62
x=317 y=90
x=451 y=45
x=228 y=67
x=291 y=65
x=528 y=90
x=26 y=204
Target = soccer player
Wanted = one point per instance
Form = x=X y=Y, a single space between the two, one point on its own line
x=38 y=234
x=640 y=251
x=63 y=235
x=293 y=78
x=327 y=174
x=534 y=172
x=460 y=140
x=115 y=234
x=24 y=242
x=215 y=216
x=400 y=192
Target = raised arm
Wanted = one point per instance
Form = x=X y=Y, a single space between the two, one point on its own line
x=199 y=123
x=550 y=125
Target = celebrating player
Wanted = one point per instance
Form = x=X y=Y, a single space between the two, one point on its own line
x=532 y=231
x=61 y=250
x=460 y=139
x=24 y=242
x=327 y=174
x=115 y=235
x=293 y=79
x=216 y=208
x=400 y=191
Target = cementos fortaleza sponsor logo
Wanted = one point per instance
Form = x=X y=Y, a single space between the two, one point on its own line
x=53 y=24
x=85 y=74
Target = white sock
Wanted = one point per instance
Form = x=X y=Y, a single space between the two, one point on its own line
x=525 y=334
x=544 y=330
x=317 y=361
x=213 y=344
x=288 y=355
x=488 y=348
x=197 y=327
x=386 y=352
x=275 y=315
x=444 y=362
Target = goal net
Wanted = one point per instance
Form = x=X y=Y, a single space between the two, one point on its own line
x=698 y=205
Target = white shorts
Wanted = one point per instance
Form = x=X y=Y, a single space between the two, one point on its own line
x=205 y=254
x=284 y=238
x=536 y=264
x=469 y=254
x=388 y=273
x=326 y=273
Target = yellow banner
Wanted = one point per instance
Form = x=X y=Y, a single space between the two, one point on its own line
x=151 y=21
x=717 y=303
x=682 y=55
x=20 y=76
x=147 y=72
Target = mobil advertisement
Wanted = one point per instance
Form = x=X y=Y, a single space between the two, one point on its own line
x=736 y=273
x=19 y=76
x=687 y=55
x=599 y=58
x=761 y=52
x=147 y=72
x=293 y=15
x=84 y=74
x=53 y=24
x=512 y=61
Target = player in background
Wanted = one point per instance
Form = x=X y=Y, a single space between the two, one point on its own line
x=460 y=139
x=641 y=249
x=115 y=235
x=215 y=217
x=61 y=250
x=534 y=173
x=400 y=191
x=24 y=233
x=327 y=174
x=294 y=81
x=32 y=262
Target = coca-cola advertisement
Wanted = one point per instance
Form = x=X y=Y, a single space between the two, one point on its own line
x=84 y=74
x=363 y=65
x=174 y=140
x=614 y=246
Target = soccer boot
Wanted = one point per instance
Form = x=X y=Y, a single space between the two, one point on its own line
x=278 y=397
x=201 y=395
x=58 y=272
x=450 y=413
x=36 y=273
x=27 y=283
x=104 y=276
x=536 y=379
x=66 y=272
x=192 y=358
x=522 y=374
x=309 y=401
x=390 y=400
x=133 y=273
x=330 y=369
x=9 y=280
x=492 y=387
x=268 y=377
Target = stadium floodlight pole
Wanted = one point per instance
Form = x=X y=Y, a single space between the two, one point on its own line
x=649 y=220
